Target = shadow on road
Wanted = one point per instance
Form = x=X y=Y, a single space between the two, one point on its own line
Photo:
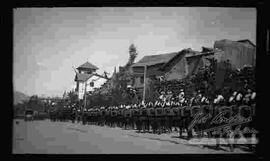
x=83 y=131
x=181 y=137
x=215 y=148
x=171 y=141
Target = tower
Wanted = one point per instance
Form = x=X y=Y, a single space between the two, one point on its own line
x=86 y=71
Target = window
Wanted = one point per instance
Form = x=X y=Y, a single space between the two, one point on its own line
x=142 y=79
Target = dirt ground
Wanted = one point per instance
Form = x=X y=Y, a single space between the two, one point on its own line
x=45 y=137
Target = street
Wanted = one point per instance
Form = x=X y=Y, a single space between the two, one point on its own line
x=45 y=137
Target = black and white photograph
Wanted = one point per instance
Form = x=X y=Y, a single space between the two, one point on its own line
x=134 y=80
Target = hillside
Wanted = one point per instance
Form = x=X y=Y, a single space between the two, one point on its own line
x=19 y=97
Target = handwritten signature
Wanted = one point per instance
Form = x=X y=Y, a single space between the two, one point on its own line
x=232 y=132
x=200 y=118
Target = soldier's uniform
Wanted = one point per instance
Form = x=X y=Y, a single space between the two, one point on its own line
x=107 y=116
x=247 y=98
x=253 y=98
x=169 y=116
x=153 y=117
x=176 y=115
x=148 y=123
x=159 y=113
x=114 y=116
x=186 y=116
x=118 y=117
x=239 y=99
x=73 y=115
x=136 y=116
x=132 y=120
x=84 y=117
x=232 y=99
x=127 y=117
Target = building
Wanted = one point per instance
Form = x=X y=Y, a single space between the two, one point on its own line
x=239 y=53
x=171 y=66
x=87 y=79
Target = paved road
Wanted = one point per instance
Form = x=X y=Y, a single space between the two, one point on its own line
x=45 y=137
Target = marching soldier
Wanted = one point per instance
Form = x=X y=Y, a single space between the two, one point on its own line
x=154 y=117
x=232 y=99
x=176 y=115
x=147 y=121
x=247 y=98
x=169 y=96
x=160 y=117
x=219 y=100
x=73 y=115
x=136 y=115
x=143 y=117
x=127 y=117
x=253 y=97
x=198 y=98
x=107 y=116
x=84 y=117
x=181 y=97
x=151 y=117
x=192 y=101
x=204 y=101
x=239 y=98
x=162 y=97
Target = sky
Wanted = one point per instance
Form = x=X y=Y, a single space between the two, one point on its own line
x=47 y=42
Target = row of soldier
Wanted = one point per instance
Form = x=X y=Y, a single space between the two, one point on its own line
x=161 y=116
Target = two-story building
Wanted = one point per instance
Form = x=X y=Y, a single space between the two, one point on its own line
x=171 y=66
x=87 y=79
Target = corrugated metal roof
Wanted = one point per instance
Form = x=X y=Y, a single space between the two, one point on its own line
x=88 y=65
x=155 y=59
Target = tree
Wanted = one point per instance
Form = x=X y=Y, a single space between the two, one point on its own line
x=119 y=93
x=132 y=55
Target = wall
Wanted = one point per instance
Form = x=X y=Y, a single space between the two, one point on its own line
x=194 y=63
x=138 y=83
x=139 y=72
x=178 y=71
x=237 y=53
x=97 y=84
x=81 y=90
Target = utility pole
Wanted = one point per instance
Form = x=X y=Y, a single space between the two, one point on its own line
x=85 y=94
x=84 y=100
x=144 y=83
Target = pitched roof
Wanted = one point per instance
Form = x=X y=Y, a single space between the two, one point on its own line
x=87 y=65
x=82 y=76
x=247 y=41
x=205 y=52
x=85 y=77
x=155 y=59
x=189 y=52
x=228 y=43
x=101 y=76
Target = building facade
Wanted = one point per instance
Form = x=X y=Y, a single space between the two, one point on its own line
x=239 y=53
x=171 y=66
x=87 y=80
